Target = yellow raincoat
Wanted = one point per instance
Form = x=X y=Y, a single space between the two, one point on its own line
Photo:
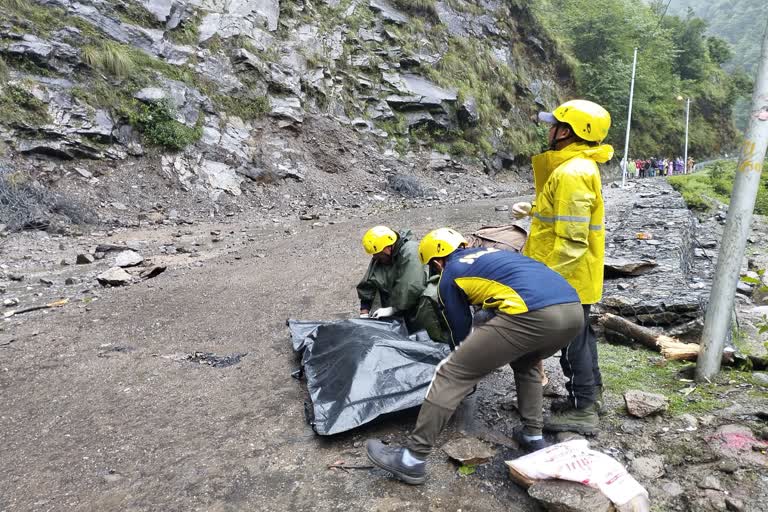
x=567 y=231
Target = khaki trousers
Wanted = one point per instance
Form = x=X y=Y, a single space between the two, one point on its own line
x=518 y=340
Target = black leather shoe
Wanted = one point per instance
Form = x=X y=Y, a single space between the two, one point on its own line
x=525 y=444
x=390 y=458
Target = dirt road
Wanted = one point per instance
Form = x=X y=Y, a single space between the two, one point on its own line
x=98 y=413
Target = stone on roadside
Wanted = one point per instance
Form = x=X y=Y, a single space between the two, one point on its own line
x=46 y=282
x=710 y=482
x=642 y=403
x=115 y=276
x=760 y=378
x=563 y=496
x=13 y=301
x=84 y=259
x=502 y=208
x=648 y=468
x=16 y=277
x=71 y=280
x=468 y=450
x=128 y=259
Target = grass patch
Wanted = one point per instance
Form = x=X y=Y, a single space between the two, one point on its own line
x=19 y=106
x=245 y=108
x=156 y=122
x=715 y=182
x=5 y=73
x=421 y=7
x=625 y=368
x=187 y=32
x=133 y=13
x=113 y=59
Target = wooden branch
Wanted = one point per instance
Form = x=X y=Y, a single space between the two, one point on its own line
x=671 y=348
x=15 y=312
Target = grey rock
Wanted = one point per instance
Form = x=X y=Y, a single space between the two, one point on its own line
x=115 y=276
x=46 y=281
x=3 y=289
x=13 y=301
x=54 y=55
x=468 y=450
x=468 y=115
x=626 y=267
x=728 y=466
x=288 y=108
x=84 y=259
x=734 y=504
x=710 y=482
x=562 y=496
x=13 y=276
x=642 y=403
x=220 y=176
x=417 y=87
x=502 y=208
x=648 y=468
x=160 y=9
x=83 y=172
x=760 y=378
x=388 y=11
x=744 y=288
x=119 y=206
x=128 y=259
x=151 y=95
x=673 y=489
x=72 y=281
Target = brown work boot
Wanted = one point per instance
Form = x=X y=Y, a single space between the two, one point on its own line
x=584 y=421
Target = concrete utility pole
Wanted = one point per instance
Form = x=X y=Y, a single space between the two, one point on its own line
x=624 y=162
x=737 y=226
x=687 y=114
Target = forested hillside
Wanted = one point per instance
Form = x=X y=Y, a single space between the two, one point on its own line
x=677 y=59
x=740 y=22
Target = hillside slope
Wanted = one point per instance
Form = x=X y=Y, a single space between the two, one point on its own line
x=216 y=93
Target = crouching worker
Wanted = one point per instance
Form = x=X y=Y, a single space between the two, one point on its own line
x=537 y=314
x=401 y=282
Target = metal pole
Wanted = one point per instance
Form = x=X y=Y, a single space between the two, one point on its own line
x=687 y=113
x=737 y=226
x=624 y=162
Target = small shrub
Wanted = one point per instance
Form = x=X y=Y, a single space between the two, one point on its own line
x=133 y=13
x=245 y=108
x=26 y=204
x=112 y=58
x=19 y=106
x=4 y=71
x=188 y=31
x=423 y=7
x=158 y=126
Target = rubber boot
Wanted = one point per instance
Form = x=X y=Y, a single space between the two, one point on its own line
x=584 y=421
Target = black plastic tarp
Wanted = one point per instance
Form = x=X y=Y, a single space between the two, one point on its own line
x=358 y=369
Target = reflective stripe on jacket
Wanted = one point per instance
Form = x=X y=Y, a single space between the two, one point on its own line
x=499 y=280
x=567 y=231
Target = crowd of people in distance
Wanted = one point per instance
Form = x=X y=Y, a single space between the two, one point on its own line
x=651 y=167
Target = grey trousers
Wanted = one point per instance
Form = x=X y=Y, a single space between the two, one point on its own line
x=518 y=340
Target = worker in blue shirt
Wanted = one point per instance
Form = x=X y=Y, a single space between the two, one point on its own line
x=537 y=314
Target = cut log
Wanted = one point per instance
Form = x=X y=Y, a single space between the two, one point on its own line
x=671 y=348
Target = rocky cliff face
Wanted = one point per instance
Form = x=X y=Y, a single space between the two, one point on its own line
x=217 y=93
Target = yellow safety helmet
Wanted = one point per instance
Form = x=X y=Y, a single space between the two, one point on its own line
x=589 y=120
x=377 y=238
x=438 y=243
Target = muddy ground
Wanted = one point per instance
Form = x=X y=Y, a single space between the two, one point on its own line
x=99 y=411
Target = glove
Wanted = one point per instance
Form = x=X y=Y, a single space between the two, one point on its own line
x=521 y=210
x=365 y=315
x=383 y=313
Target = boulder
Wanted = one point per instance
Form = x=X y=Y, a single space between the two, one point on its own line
x=626 y=267
x=469 y=451
x=642 y=403
x=115 y=276
x=468 y=114
x=53 y=55
x=84 y=259
x=288 y=108
x=128 y=259
x=563 y=496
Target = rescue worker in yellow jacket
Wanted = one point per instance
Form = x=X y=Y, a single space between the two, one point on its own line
x=568 y=235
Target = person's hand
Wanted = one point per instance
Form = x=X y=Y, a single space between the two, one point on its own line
x=521 y=210
x=383 y=313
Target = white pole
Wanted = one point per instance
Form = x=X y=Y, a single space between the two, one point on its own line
x=624 y=162
x=687 y=113
x=737 y=225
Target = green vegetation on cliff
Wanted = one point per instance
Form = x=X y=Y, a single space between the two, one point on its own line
x=676 y=60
